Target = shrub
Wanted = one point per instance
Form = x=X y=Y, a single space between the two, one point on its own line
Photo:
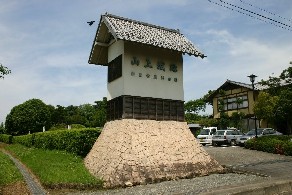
x=26 y=140
x=77 y=141
x=271 y=144
x=77 y=126
x=61 y=126
x=6 y=138
x=287 y=147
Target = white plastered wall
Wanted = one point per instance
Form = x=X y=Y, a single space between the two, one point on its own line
x=138 y=80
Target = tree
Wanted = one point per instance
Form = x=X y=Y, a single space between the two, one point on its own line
x=276 y=84
x=4 y=71
x=73 y=115
x=59 y=115
x=224 y=121
x=208 y=122
x=236 y=119
x=30 y=116
x=2 y=128
x=238 y=102
x=100 y=115
x=87 y=111
x=265 y=106
x=192 y=118
x=194 y=106
x=281 y=87
x=283 y=109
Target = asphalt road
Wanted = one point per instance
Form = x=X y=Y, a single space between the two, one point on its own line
x=239 y=158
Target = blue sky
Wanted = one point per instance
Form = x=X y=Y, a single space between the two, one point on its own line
x=46 y=44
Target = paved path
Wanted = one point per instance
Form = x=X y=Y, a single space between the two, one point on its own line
x=262 y=163
x=34 y=186
x=276 y=168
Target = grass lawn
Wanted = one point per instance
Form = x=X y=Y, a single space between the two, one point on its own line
x=8 y=171
x=55 y=167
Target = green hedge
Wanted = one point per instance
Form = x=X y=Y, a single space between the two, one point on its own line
x=77 y=141
x=26 y=140
x=6 y=138
x=271 y=144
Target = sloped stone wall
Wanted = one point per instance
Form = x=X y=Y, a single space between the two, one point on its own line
x=135 y=152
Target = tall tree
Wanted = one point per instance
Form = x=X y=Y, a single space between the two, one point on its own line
x=30 y=116
x=87 y=111
x=4 y=71
x=101 y=112
x=283 y=109
x=265 y=106
x=2 y=128
x=195 y=106
x=59 y=115
x=281 y=87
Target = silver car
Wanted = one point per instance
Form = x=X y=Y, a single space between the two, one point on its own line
x=225 y=137
x=205 y=135
x=260 y=132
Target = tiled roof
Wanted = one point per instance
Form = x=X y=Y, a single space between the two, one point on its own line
x=257 y=86
x=112 y=28
x=233 y=84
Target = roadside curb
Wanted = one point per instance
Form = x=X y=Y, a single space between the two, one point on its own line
x=265 y=188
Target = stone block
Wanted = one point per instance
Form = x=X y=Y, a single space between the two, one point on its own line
x=147 y=151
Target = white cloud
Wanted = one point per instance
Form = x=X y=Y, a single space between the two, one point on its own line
x=46 y=44
x=231 y=57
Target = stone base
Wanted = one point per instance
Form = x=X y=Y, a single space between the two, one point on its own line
x=131 y=152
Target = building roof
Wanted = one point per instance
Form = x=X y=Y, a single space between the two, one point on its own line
x=112 y=28
x=257 y=86
x=234 y=84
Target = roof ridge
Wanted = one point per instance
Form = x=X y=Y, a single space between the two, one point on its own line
x=143 y=23
x=238 y=82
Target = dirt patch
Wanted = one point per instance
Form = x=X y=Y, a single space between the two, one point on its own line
x=16 y=188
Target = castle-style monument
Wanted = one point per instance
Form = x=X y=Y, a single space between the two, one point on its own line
x=145 y=139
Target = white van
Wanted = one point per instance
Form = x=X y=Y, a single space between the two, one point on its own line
x=206 y=134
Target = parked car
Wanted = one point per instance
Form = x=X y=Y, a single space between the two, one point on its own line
x=260 y=132
x=226 y=137
x=206 y=134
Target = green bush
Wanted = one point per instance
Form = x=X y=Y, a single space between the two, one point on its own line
x=77 y=126
x=26 y=140
x=6 y=138
x=271 y=144
x=63 y=126
x=56 y=127
x=287 y=147
x=76 y=141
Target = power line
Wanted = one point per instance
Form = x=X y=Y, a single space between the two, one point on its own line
x=260 y=15
x=252 y=14
x=277 y=15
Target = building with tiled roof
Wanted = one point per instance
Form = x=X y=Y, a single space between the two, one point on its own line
x=238 y=97
x=145 y=66
x=233 y=96
x=146 y=138
x=113 y=28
